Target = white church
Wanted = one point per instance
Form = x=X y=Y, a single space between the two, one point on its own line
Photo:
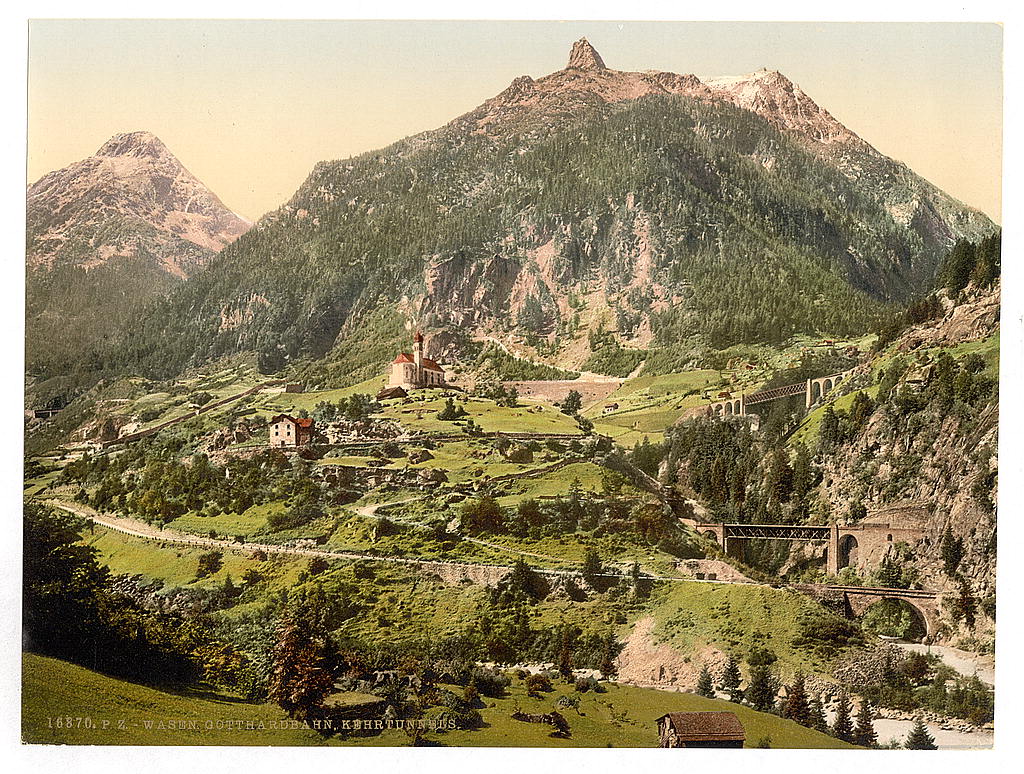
x=413 y=371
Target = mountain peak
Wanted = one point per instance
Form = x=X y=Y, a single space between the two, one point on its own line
x=137 y=144
x=585 y=57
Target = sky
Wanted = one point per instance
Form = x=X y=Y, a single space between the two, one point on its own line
x=250 y=106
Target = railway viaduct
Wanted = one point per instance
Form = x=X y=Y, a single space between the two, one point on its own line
x=855 y=600
x=812 y=390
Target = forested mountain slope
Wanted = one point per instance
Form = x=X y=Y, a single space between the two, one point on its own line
x=104 y=236
x=677 y=215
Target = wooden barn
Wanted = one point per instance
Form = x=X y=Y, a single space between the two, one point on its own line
x=700 y=729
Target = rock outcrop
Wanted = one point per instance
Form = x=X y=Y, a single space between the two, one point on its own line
x=585 y=57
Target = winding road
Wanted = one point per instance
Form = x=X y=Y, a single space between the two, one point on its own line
x=140 y=529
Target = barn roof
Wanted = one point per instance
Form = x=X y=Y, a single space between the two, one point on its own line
x=391 y=392
x=695 y=726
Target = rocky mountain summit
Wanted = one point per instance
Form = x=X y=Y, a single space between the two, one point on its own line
x=593 y=218
x=585 y=57
x=587 y=82
x=132 y=196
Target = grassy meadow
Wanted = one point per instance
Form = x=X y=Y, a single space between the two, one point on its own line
x=96 y=709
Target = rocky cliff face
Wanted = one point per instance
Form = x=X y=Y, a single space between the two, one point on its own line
x=921 y=466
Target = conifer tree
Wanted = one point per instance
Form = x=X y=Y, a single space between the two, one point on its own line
x=889 y=573
x=864 y=732
x=952 y=552
x=705 y=684
x=591 y=565
x=803 y=473
x=829 y=431
x=762 y=689
x=731 y=680
x=607 y=666
x=842 y=725
x=919 y=738
x=565 y=659
x=796 y=706
x=964 y=606
x=817 y=715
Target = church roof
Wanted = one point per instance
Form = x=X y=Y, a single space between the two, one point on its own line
x=405 y=357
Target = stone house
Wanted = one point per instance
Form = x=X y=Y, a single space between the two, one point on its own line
x=700 y=729
x=286 y=430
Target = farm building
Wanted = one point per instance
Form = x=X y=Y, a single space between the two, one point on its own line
x=389 y=393
x=700 y=729
x=286 y=430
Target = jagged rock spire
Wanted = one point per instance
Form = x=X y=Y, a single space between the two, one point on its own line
x=585 y=57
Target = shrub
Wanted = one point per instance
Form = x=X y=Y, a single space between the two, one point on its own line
x=537 y=683
x=489 y=682
x=209 y=564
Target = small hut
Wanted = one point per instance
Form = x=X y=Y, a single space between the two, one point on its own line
x=700 y=729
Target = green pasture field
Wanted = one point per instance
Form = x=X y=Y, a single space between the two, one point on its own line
x=176 y=565
x=619 y=716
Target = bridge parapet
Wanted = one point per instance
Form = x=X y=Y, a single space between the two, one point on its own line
x=858 y=545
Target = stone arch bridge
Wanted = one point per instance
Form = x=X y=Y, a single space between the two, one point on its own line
x=861 y=546
x=855 y=600
x=812 y=389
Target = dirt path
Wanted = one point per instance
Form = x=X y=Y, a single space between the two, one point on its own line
x=140 y=529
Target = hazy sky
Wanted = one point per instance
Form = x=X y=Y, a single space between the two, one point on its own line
x=250 y=107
